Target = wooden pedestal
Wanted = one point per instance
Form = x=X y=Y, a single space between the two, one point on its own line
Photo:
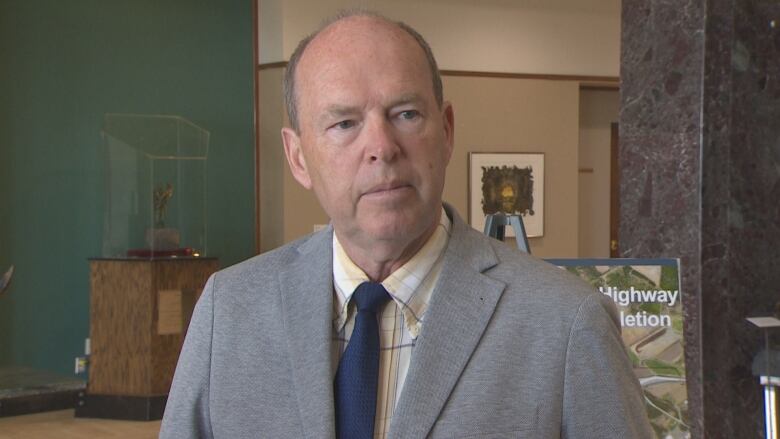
x=139 y=313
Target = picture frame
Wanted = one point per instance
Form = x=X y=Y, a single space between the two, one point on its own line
x=509 y=182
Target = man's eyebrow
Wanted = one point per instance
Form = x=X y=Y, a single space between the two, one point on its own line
x=340 y=110
x=336 y=111
x=409 y=98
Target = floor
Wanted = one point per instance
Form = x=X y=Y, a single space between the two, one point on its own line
x=63 y=425
x=22 y=382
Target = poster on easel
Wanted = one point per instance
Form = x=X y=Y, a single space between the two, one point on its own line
x=649 y=302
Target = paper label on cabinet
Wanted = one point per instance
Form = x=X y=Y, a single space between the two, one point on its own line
x=169 y=318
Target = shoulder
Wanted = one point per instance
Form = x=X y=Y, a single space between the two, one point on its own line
x=546 y=303
x=533 y=287
x=518 y=267
x=263 y=270
x=553 y=292
x=507 y=264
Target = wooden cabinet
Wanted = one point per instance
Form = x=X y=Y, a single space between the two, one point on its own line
x=139 y=313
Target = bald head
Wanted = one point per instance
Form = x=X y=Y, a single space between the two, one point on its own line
x=334 y=27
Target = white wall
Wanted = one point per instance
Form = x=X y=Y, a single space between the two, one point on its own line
x=567 y=37
x=270 y=31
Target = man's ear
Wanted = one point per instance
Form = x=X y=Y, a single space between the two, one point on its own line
x=295 y=158
x=449 y=128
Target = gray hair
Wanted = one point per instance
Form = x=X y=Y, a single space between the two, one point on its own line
x=289 y=75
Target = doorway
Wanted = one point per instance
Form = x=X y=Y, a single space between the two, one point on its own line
x=598 y=188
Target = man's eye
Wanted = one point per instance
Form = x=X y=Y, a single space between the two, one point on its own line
x=345 y=124
x=409 y=114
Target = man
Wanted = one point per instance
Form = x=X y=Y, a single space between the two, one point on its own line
x=476 y=339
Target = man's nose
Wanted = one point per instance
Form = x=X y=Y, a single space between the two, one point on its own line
x=380 y=140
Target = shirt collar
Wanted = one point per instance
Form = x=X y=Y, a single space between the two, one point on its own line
x=403 y=284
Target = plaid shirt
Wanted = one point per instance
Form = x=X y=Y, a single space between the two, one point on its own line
x=410 y=286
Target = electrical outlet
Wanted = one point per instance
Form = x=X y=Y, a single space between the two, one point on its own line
x=81 y=365
x=87 y=347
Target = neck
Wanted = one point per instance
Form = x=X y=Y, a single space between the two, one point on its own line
x=380 y=259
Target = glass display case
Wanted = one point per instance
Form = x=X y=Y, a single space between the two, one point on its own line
x=155 y=172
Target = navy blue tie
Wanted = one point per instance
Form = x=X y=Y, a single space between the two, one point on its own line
x=356 y=378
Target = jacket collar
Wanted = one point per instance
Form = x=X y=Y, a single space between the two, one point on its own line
x=306 y=287
x=461 y=307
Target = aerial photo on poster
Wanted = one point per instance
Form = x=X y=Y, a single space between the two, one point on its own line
x=649 y=302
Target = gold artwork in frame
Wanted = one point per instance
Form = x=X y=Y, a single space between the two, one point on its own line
x=511 y=183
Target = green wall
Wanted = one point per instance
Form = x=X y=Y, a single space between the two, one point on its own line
x=63 y=65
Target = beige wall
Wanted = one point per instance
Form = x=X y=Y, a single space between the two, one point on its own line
x=521 y=115
x=598 y=109
x=271 y=159
x=573 y=37
x=287 y=210
x=491 y=115
x=301 y=209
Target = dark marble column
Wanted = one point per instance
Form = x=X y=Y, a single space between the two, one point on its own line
x=660 y=128
x=700 y=180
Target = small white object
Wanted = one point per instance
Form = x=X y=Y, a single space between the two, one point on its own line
x=81 y=365
x=764 y=322
x=86 y=346
x=770 y=411
x=318 y=227
x=770 y=381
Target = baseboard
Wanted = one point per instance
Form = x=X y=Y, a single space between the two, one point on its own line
x=129 y=408
x=37 y=403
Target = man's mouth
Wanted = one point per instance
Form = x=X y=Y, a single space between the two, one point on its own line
x=387 y=189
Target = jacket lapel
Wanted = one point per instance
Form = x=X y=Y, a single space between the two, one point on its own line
x=307 y=300
x=461 y=307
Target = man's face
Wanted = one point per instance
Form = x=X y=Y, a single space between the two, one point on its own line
x=372 y=143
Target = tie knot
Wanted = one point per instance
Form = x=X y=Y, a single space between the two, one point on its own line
x=370 y=296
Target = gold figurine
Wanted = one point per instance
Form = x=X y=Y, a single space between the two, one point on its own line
x=161 y=197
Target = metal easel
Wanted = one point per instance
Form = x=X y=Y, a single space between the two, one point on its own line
x=495 y=227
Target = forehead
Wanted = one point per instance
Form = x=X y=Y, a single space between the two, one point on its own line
x=361 y=52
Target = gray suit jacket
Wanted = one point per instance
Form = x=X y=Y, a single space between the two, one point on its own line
x=511 y=347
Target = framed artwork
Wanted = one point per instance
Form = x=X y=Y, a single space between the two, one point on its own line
x=508 y=182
